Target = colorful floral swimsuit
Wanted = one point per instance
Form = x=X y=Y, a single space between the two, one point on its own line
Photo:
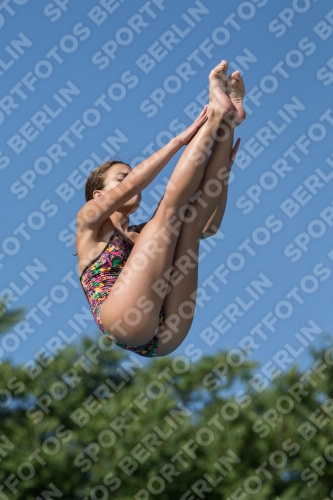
x=97 y=280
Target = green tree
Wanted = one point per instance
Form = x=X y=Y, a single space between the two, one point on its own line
x=9 y=318
x=94 y=423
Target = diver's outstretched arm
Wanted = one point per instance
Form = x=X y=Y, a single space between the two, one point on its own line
x=95 y=211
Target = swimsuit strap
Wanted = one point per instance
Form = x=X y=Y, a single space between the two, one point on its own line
x=134 y=228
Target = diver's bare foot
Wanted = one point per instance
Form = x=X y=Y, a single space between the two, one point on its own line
x=219 y=102
x=236 y=91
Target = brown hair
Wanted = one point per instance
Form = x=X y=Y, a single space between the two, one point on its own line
x=96 y=178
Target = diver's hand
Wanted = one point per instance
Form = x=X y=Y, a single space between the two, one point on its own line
x=190 y=132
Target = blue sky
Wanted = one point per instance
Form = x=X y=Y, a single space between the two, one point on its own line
x=283 y=50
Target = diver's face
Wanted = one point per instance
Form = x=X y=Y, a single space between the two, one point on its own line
x=116 y=174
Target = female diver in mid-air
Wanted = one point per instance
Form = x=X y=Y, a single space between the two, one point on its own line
x=129 y=273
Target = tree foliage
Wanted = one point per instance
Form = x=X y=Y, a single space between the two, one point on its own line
x=93 y=422
x=9 y=318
